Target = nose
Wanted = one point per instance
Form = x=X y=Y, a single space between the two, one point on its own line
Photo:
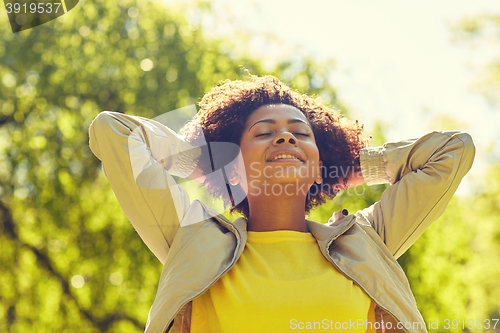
x=285 y=137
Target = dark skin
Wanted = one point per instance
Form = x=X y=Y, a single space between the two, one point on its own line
x=277 y=188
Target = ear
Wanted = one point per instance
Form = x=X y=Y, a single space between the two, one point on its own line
x=233 y=177
x=319 y=176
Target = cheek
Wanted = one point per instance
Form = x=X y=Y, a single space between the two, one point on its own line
x=252 y=154
x=246 y=162
x=314 y=169
x=314 y=153
x=315 y=162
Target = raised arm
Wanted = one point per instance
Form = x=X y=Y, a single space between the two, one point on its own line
x=139 y=156
x=424 y=174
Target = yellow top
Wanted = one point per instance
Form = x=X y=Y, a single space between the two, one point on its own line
x=282 y=283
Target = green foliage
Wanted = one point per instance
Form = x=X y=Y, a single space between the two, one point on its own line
x=71 y=262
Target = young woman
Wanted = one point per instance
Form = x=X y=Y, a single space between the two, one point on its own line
x=273 y=270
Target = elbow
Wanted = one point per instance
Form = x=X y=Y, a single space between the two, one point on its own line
x=103 y=120
x=102 y=124
x=99 y=127
x=469 y=150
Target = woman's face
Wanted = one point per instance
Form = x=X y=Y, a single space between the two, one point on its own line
x=279 y=153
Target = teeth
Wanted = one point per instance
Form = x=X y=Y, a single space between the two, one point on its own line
x=284 y=156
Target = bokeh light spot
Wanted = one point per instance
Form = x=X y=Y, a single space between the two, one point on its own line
x=133 y=12
x=9 y=80
x=146 y=65
x=77 y=281
x=115 y=278
x=84 y=31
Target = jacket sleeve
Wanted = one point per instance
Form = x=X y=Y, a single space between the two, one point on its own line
x=424 y=174
x=138 y=156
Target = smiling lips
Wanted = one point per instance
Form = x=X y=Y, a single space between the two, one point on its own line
x=285 y=158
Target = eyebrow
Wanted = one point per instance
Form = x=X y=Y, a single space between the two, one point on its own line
x=272 y=121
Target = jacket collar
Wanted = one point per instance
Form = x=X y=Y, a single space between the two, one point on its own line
x=329 y=232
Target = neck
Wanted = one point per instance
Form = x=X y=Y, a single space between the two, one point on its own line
x=271 y=213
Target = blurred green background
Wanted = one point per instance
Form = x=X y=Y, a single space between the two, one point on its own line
x=71 y=262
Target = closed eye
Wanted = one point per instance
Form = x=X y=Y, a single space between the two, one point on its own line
x=262 y=134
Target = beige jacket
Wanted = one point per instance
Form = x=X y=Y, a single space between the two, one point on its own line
x=424 y=174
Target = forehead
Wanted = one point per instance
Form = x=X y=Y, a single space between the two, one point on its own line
x=275 y=111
